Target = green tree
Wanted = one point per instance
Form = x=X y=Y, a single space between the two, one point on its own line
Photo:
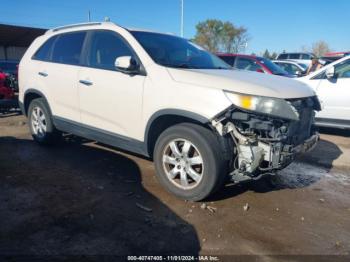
x=216 y=35
x=267 y=54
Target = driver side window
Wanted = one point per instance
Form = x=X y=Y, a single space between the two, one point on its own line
x=105 y=47
x=342 y=70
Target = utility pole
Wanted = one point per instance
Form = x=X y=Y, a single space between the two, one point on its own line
x=182 y=18
x=89 y=16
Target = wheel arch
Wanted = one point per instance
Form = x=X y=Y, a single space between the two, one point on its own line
x=29 y=96
x=166 y=118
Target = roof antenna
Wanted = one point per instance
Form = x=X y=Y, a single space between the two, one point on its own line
x=107 y=19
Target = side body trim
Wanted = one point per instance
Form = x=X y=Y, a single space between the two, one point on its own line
x=99 y=135
x=336 y=123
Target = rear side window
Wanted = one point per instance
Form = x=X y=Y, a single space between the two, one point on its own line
x=105 y=47
x=283 y=56
x=294 y=56
x=229 y=59
x=44 y=51
x=247 y=64
x=68 y=47
x=305 y=56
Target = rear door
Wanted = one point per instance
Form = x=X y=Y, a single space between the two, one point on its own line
x=34 y=75
x=60 y=74
x=110 y=100
x=335 y=93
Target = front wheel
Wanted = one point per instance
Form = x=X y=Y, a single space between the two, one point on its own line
x=188 y=161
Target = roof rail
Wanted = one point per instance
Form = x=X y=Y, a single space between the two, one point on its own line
x=73 y=26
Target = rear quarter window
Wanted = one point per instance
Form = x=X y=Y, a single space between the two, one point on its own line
x=44 y=51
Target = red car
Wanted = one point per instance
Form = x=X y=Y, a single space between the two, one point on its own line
x=337 y=54
x=8 y=99
x=5 y=91
x=253 y=63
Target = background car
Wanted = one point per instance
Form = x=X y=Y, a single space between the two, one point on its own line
x=253 y=63
x=302 y=58
x=331 y=84
x=337 y=54
x=334 y=56
x=9 y=66
x=293 y=68
x=8 y=99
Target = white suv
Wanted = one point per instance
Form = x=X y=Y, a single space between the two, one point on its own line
x=163 y=97
x=302 y=58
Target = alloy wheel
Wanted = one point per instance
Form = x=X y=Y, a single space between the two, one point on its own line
x=183 y=163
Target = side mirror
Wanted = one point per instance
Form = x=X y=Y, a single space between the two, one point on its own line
x=259 y=70
x=299 y=73
x=330 y=72
x=126 y=64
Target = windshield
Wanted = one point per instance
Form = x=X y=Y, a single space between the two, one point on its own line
x=303 y=66
x=275 y=69
x=173 y=51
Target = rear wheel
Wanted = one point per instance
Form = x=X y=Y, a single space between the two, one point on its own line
x=40 y=122
x=188 y=161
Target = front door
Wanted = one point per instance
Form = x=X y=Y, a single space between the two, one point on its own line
x=334 y=93
x=110 y=100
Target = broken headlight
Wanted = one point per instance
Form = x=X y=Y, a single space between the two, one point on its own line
x=265 y=105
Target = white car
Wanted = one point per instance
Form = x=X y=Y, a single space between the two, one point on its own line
x=302 y=58
x=163 y=97
x=293 y=68
x=332 y=85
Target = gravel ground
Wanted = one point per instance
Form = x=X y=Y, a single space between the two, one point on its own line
x=81 y=198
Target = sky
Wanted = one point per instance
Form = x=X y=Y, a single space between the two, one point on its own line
x=275 y=25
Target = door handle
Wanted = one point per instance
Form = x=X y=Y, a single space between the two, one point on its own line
x=43 y=74
x=85 y=82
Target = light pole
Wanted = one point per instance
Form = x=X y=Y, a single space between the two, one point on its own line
x=182 y=18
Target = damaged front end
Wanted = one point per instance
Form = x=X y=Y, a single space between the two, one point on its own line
x=269 y=139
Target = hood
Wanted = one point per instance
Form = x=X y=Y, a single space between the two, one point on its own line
x=241 y=81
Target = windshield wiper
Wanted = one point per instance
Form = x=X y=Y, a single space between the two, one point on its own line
x=220 y=67
x=179 y=66
x=187 y=66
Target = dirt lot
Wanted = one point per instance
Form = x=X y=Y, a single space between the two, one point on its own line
x=81 y=198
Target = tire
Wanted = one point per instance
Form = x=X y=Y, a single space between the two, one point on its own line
x=172 y=161
x=46 y=134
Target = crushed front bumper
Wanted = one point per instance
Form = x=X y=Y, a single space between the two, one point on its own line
x=308 y=144
x=279 y=155
x=256 y=161
x=255 y=158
